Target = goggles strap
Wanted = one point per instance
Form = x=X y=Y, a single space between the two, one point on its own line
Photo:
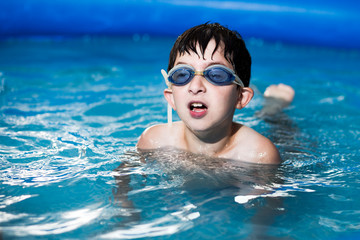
x=169 y=108
x=169 y=114
x=165 y=76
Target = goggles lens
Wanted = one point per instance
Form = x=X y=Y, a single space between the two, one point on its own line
x=216 y=74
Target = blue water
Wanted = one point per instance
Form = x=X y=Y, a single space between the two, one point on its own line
x=71 y=113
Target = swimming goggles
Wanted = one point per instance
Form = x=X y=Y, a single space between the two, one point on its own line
x=218 y=75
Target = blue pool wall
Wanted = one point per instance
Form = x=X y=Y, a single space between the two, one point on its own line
x=321 y=22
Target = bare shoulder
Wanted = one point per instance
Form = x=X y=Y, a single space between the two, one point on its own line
x=259 y=149
x=152 y=137
x=157 y=136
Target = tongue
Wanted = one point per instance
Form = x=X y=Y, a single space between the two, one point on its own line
x=197 y=109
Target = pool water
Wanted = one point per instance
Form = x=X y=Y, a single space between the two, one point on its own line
x=73 y=108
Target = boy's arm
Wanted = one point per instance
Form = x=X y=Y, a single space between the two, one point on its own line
x=122 y=175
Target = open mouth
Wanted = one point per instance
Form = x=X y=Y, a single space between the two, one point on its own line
x=197 y=109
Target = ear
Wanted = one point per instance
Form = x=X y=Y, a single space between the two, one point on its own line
x=168 y=94
x=244 y=97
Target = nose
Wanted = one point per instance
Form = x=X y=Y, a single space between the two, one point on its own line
x=197 y=84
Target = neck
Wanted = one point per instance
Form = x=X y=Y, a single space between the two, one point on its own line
x=211 y=142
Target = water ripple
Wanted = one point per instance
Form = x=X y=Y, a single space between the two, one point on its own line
x=57 y=223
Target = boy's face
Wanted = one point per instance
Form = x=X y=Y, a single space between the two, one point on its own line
x=200 y=104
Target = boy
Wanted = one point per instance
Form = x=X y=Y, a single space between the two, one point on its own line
x=208 y=78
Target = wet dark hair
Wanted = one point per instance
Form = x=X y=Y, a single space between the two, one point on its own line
x=235 y=51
